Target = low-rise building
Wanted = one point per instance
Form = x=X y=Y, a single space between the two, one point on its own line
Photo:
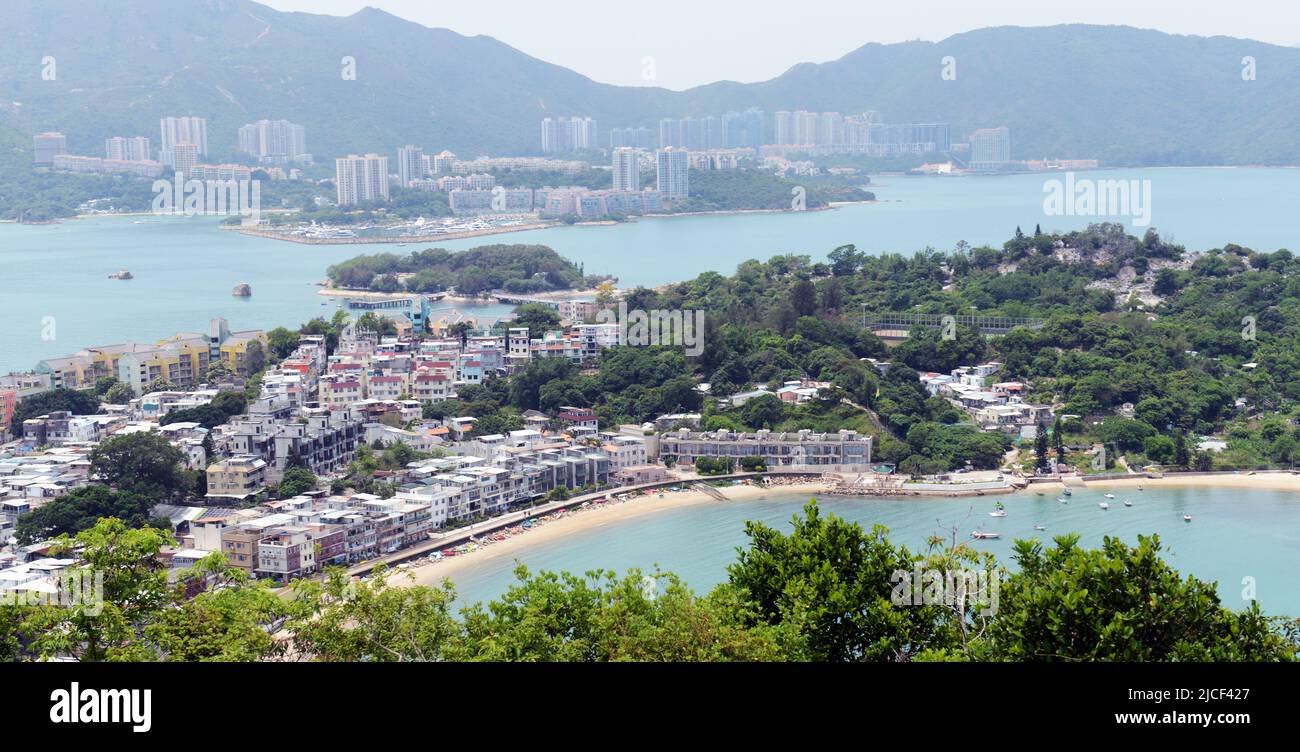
x=237 y=478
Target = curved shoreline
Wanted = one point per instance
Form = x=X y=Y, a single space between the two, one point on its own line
x=427 y=573
x=578 y=521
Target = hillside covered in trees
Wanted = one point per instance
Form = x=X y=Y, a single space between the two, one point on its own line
x=513 y=268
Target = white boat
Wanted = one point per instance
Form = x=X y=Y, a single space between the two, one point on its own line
x=1063 y=500
x=1104 y=505
x=999 y=513
x=984 y=536
x=1110 y=496
x=1187 y=518
x=1067 y=491
x=1128 y=503
x=1040 y=527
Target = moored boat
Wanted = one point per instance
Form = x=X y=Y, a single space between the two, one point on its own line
x=978 y=535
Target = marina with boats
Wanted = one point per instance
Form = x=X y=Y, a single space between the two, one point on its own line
x=419 y=230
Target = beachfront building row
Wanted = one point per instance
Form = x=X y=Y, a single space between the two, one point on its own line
x=466 y=487
x=297 y=537
x=831 y=452
x=182 y=359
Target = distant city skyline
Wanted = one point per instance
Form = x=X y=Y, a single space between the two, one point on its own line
x=754 y=48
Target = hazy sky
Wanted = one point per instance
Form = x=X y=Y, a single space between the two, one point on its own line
x=694 y=42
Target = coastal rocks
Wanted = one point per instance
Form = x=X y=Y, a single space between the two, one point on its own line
x=242 y=290
x=121 y=274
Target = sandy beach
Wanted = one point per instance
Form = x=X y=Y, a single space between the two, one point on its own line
x=593 y=518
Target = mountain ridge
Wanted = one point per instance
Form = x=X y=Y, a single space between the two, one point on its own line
x=1116 y=93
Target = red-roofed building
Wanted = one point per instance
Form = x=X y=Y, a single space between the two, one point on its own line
x=386 y=387
x=432 y=387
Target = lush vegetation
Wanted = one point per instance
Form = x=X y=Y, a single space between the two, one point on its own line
x=223 y=407
x=829 y=591
x=513 y=268
x=1184 y=362
x=730 y=190
x=74 y=401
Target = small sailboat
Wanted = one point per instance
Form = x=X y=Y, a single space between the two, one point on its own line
x=1187 y=518
x=1104 y=505
x=999 y=513
x=1066 y=491
x=1110 y=496
x=1128 y=503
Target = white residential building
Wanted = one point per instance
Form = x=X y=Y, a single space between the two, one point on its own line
x=361 y=179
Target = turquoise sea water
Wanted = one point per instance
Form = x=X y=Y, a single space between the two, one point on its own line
x=1234 y=534
x=185 y=267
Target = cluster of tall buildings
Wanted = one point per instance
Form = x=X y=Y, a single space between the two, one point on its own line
x=636 y=138
x=183 y=146
x=730 y=131
x=131 y=149
x=275 y=142
x=865 y=133
x=821 y=132
x=122 y=155
x=672 y=172
x=184 y=141
x=569 y=134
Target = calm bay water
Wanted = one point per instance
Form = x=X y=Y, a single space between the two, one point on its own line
x=1234 y=534
x=185 y=268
